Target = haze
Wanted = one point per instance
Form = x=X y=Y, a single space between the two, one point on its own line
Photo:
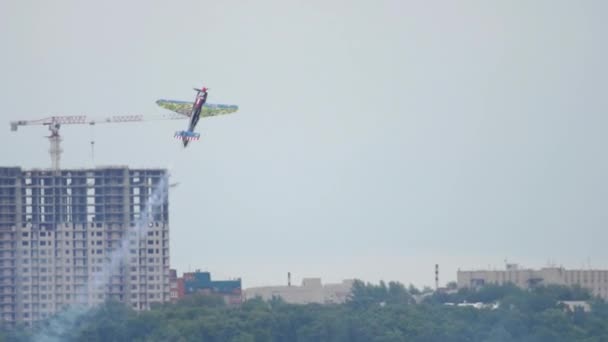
x=374 y=138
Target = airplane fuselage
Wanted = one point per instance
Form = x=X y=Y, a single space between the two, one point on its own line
x=199 y=102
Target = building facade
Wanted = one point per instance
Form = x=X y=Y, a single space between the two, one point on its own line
x=173 y=290
x=596 y=281
x=200 y=283
x=82 y=236
x=311 y=291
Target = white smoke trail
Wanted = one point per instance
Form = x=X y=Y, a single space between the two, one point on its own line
x=68 y=319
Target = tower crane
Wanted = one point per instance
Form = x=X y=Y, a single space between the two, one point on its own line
x=55 y=122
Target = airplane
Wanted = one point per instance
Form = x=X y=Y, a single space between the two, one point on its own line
x=195 y=110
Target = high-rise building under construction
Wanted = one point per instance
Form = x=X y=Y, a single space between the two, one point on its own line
x=82 y=236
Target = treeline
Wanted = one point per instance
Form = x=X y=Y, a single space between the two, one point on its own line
x=384 y=312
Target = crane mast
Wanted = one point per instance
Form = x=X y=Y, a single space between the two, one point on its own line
x=55 y=150
x=54 y=123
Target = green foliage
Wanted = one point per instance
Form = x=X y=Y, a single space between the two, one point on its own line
x=366 y=295
x=383 y=313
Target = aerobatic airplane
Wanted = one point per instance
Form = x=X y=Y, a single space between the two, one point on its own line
x=194 y=110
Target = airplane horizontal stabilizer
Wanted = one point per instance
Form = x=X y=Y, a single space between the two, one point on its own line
x=185 y=135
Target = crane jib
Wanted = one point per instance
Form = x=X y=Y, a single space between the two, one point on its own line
x=55 y=122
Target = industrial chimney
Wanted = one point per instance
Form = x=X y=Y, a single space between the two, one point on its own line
x=436 y=277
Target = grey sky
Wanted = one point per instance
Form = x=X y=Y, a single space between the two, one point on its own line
x=374 y=139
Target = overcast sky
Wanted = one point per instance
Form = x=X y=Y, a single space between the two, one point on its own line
x=374 y=138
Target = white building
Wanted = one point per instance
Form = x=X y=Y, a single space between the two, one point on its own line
x=311 y=291
x=596 y=281
x=573 y=305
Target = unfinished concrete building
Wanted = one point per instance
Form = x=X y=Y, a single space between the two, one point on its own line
x=82 y=236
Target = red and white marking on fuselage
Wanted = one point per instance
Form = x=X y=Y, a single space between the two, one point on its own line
x=181 y=137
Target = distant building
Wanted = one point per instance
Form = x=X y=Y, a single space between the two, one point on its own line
x=311 y=291
x=181 y=290
x=337 y=293
x=200 y=283
x=173 y=285
x=477 y=305
x=596 y=281
x=573 y=305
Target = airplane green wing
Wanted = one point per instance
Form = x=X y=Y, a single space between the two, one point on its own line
x=185 y=108
x=210 y=109
x=181 y=107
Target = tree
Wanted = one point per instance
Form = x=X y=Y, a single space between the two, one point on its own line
x=524 y=316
